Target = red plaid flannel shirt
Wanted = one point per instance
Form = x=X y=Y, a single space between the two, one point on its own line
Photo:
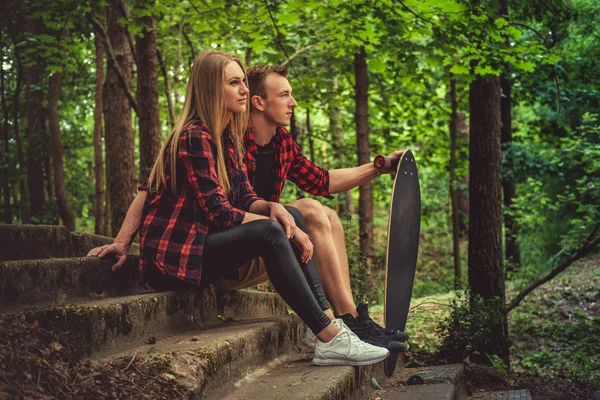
x=174 y=227
x=289 y=163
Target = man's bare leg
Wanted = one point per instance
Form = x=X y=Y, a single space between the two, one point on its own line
x=337 y=231
x=335 y=281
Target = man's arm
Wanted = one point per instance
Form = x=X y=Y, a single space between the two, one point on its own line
x=341 y=180
x=120 y=245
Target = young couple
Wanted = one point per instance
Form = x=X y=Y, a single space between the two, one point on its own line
x=203 y=220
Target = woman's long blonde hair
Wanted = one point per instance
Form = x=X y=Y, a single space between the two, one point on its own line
x=204 y=103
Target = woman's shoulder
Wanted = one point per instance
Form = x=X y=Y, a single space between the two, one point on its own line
x=195 y=130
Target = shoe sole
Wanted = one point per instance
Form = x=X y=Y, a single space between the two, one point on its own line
x=328 y=361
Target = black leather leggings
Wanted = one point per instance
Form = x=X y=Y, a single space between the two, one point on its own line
x=232 y=248
x=310 y=268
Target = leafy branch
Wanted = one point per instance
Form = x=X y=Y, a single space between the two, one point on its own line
x=585 y=247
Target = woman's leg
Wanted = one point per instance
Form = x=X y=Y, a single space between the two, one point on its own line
x=227 y=250
x=309 y=269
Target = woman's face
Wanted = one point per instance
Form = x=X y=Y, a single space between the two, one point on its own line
x=236 y=92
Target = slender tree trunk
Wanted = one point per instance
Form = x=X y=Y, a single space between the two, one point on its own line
x=163 y=69
x=4 y=147
x=23 y=189
x=365 y=202
x=513 y=251
x=36 y=134
x=462 y=196
x=486 y=272
x=453 y=182
x=511 y=228
x=62 y=199
x=311 y=143
x=120 y=161
x=48 y=172
x=335 y=122
x=147 y=97
x=99 y=208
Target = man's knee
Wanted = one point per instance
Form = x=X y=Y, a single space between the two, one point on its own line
x=313 y=212
x=333 y=217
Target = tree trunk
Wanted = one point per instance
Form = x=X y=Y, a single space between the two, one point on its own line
x=167 y=87
x=62 y=199
x=365 y=202
x=311 y=143
x=99 y=208
x=453 y=183
x=120 y=161
x=36 y=134
x=4 y=147
x=462 y=196
x=337 y=133
x=511 y=228
x=23 y=189
x=486 y=272
x=147 y=97
x=513 y=251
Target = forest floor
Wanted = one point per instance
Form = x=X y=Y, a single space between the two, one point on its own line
x=554 y=335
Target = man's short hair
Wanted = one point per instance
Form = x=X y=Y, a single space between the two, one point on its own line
x=257 y=74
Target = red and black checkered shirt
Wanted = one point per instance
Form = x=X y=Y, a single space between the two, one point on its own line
x=174 y=226
x=289 y=163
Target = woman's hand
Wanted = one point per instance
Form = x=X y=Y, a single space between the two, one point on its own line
x=302 y=241
x=118 y=250
x=280 y=214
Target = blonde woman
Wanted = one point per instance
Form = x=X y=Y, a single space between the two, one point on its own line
x=202 y=220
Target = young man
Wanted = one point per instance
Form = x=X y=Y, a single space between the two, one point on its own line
x=271 y=158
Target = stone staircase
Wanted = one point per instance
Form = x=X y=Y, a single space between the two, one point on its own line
x=208 y=345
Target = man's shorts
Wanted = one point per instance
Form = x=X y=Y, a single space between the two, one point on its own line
x=251 y=274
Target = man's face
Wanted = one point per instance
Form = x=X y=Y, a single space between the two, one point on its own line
x=279 y=103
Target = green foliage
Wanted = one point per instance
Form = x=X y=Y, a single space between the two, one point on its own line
x=555 y=330
x=468 y=327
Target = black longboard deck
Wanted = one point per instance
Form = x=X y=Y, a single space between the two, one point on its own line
x=402 y=248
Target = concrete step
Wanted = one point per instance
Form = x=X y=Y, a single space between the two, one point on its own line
x=207 y=363
x=113 y=323
x=51 y=280
x=511 y=395
x=294 y=378
x=445 y=382
x=30 y=242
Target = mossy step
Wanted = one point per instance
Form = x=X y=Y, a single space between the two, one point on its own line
x=295 y=379
x=102 y=325
x=444 y=382
x=30 y=242
x=206 y=364
x=29 y=282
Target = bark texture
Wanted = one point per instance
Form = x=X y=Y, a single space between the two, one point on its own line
x=486 y=272
x=337 y=140
x=62 y=199
x=365 y=202
x=99 y=201
x=120 y=162
x=147 y=96
x=36 y=136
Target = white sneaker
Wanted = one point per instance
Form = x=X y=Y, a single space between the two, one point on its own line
x=310 y=340
x=347 y=349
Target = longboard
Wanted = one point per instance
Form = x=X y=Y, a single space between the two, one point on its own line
x=402 y=248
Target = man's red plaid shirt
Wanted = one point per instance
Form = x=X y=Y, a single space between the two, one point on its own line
x=290 y=164
x=174 y=226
